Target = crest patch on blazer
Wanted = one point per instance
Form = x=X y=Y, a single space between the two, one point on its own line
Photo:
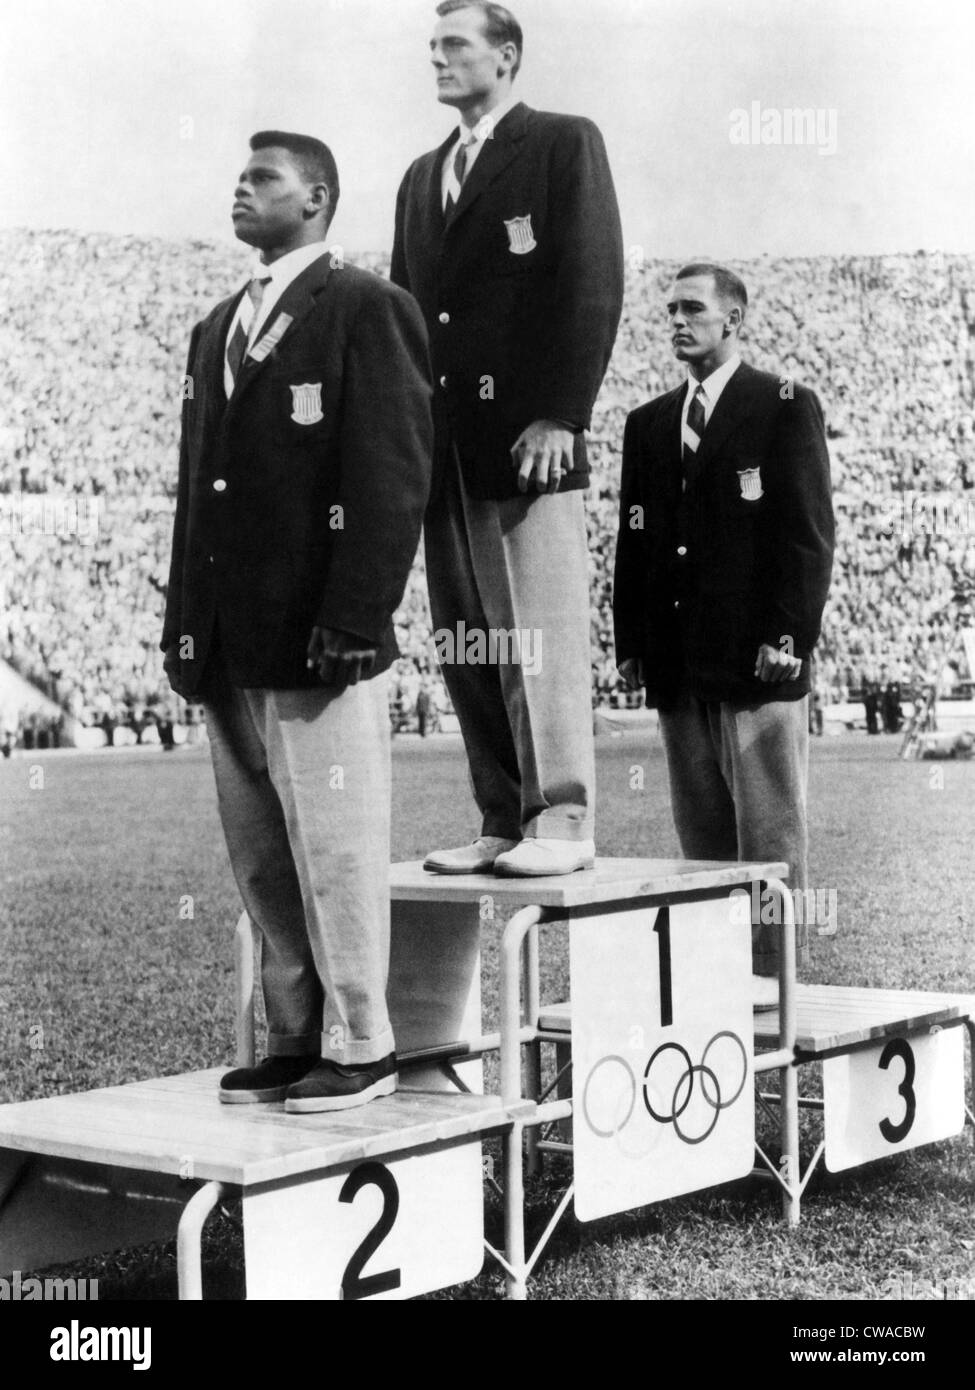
x=750 y=481
x=521 y=238
x=306 y=403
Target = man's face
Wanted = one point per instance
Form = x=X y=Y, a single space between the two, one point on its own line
x=466 y=64
x=699 y=321
x=271 y=199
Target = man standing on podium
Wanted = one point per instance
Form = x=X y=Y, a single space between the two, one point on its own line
x=723 y=565
x=509 y=237
x=304 y=472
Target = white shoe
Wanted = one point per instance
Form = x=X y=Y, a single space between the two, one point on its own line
x=765 y=992
x=537 y=858
x=477 y=858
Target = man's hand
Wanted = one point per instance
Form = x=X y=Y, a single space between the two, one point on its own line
x=340 y=658
x=632 y=672
x=773 y=665
x=542 y=452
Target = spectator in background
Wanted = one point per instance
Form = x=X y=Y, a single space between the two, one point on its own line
x=871 y=704
x=891 y=706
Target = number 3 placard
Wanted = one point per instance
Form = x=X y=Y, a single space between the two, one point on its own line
x=382 y=1229
x=899 y=1094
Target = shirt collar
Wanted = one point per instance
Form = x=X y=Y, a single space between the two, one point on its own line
x=717 y=381
x=485 y=128
x=288 y=267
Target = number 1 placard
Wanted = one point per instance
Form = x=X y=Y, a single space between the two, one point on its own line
x=661 y=1054
x=384 y=1229
x=896 y=1095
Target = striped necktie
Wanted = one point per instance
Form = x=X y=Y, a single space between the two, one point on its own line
x=696 y=422
x=459 y=173
x=249 y=308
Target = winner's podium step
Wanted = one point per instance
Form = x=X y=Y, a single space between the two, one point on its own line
x=832 y=1017
x=88 y=1173
x=893 y=1074
x=610 y=881
x=839 y=1017
x=177 y=1125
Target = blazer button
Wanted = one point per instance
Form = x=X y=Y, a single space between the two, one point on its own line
x=219 y=485
x=444 y=318
x=682 y=550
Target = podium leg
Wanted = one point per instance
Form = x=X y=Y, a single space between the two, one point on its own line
x=188 y=1238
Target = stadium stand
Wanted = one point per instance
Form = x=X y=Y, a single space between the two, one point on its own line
x=93 y=336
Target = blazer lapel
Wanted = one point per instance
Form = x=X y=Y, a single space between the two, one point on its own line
x=297 y=301
x=668 y=444
x=495 y=156
x=436 y=218
x=213 y=349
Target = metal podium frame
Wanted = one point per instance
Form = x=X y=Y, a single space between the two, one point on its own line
x=520 y=1012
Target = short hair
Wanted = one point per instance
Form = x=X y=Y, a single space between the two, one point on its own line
x=726 y=282
x=500 y=25
x=314 y=159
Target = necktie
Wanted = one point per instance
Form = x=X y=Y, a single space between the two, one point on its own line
x=695 y=424
x=249 y=307
x=459 y=173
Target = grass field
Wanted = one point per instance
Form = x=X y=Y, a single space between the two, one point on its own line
x=102 y=980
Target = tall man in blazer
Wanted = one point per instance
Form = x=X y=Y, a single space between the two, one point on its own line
x=722 y=571
x=303 y=476
x=509 y=237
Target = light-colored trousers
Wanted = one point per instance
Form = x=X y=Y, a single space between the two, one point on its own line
x=738 y=777
x=303 y=784
x=521 y=563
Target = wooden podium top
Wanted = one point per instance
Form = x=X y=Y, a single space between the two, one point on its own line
x=176 y=1124
x=841 y=1016
x=611 y=880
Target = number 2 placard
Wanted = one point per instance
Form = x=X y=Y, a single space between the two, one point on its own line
x=898 y=1094
x=390 y=1228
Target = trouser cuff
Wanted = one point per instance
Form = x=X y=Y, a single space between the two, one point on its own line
x=357 y=1051
x=549 y=826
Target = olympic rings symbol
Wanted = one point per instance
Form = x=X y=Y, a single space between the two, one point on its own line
x=623 y=1101
x=618 y=1086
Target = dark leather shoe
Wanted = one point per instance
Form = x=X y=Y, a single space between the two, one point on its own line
x=334 y=1086
x=268 y=1081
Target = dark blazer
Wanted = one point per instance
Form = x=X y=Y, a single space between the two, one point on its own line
x=705 y=576
x=283 y=524
x=522 y=319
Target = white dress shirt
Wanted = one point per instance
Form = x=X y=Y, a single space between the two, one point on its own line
x=282 y=273
x=484 y=130
x=712 y=386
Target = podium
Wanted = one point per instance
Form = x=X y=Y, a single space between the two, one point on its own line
x=656 y=1062
x=661 y=1028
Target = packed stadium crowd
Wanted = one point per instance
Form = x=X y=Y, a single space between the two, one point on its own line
x=93 y=336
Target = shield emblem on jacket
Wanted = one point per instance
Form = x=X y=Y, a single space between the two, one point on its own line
x=306 y=403
x=750 y=481
x=521 y=238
